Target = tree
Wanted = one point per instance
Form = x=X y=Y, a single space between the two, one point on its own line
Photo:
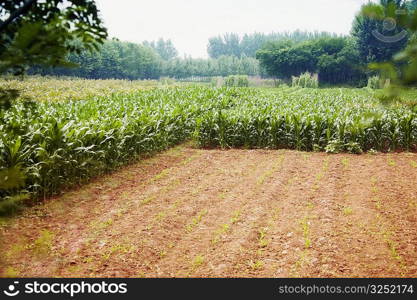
x=231 y=44
x=401 y=68
x=378 y=39
x=334 y=59
x=216 y=47
x=165 y=49
x=45 y=32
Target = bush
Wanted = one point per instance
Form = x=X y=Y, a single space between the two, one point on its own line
x=216 y=81
x=236 y=81
x=375 y=83
x=306 y=80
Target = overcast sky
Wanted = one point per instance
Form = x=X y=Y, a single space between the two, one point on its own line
x=189 y=23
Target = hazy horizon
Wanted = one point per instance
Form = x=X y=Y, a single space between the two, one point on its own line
x=189 y=24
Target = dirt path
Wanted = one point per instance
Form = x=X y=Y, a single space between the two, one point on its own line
x=236 y=213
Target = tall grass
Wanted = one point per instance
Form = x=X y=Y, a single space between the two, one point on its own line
x=306 y=80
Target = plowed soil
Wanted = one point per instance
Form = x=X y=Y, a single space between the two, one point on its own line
x=237 y=213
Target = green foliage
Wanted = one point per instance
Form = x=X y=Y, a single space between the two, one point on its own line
x=306 y=80
x=401 y=67
x=236 y=81
x=231 y=44
x=353 y=147
x=11 y=178
x=376 y=41
x=334 y=59
x=44 y=32
x=334 y=147
x=113 y=60
x=64 y=143
x=375 y=83
x=12 y=204
x=122 y=60
x=165 y=49
x=308 y=119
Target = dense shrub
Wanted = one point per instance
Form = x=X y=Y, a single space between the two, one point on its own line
x=306 y=80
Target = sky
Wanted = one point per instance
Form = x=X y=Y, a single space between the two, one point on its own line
x=189 y=24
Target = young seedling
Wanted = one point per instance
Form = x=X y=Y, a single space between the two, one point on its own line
x=235 y=217
x=148 y=200
x=162 y=253
x=257 y=265
x=197 y=262
x=306 y=232
x=195 y=221
x=262 y=241
x=222 y=230
x=268 y=174
x=345 y=163
x=160 y=216
x=276 y=213
x=347 y=211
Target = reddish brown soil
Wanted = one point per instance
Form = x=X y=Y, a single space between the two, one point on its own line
x=236 y=213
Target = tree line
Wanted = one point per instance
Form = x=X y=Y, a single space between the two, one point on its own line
x=343 y=60
x=336 y=59
x=231 y=44
x=150 y=60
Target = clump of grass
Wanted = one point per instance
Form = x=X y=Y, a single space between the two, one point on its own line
x=306 y=80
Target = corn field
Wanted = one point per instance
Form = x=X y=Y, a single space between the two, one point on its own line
x=58 y=144
x=308 y=119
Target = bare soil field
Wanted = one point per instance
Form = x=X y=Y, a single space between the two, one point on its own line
x=226 y=213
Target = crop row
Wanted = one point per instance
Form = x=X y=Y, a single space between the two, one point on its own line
x=63 y=143
x=303 y=119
